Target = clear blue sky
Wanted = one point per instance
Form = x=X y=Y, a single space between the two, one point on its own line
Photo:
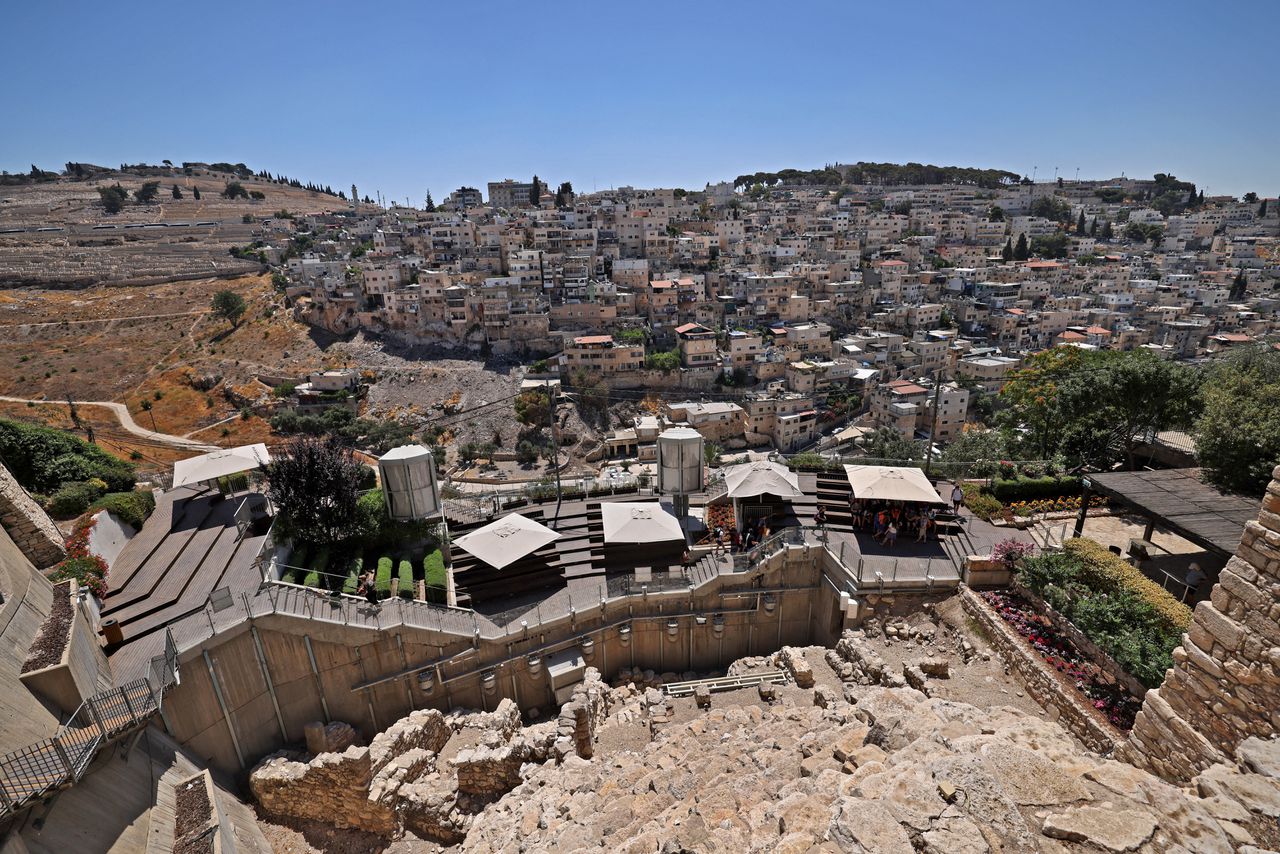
x=408 y=96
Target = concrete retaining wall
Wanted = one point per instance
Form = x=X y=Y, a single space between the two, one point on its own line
x=272 y=690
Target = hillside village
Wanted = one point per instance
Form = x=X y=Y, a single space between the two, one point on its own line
x=772 y=308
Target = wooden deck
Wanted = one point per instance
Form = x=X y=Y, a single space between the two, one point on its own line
x=187 y=549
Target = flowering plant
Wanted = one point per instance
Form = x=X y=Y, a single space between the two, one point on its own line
x=1010 y=551
x=88 y=569
x=1062 y=655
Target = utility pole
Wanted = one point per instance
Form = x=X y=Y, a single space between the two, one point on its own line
x=933 y=427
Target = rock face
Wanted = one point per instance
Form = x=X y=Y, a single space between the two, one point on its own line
x=1224 y=686
x=925 y=775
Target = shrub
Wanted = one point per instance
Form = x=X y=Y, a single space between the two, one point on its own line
x=1129 y=627
x=1106 y=572
x=1024 y=488
x=382 y=578
x=980 y=504
x=435 y=576
x=405 y=574
x=72 y=499
x=133 y=508
x=352 y=582
x=809 y=460
x=43 y=459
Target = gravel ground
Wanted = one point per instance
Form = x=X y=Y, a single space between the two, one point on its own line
x=315 y=838
x=191 y=813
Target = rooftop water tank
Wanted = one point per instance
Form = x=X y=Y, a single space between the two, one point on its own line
x=409 y=488
x=680 y=461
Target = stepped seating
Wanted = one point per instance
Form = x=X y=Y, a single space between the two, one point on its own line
x=144 y=560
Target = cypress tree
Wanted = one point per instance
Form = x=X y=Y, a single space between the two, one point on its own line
x=1006 y=254
x=1108 y=233
x=1093 y=228
x=1080 y=223
x=535 y=192
x=1020 y=251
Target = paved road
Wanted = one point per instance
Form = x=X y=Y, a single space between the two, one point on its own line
x=127 y=422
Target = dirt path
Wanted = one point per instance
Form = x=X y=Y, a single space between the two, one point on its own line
x=127 y=422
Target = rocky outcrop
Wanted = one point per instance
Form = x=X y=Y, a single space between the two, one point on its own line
x=927 y=775
x=1224 y=686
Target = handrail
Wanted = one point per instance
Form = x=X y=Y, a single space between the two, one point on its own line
x=53 y=763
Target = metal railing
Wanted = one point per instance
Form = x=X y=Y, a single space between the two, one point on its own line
x=61 y=760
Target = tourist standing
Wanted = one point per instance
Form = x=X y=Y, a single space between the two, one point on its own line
x=957 y=498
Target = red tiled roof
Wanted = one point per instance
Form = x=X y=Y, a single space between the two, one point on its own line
x=594 y=339
x=1097 y=330
x=1071 y=336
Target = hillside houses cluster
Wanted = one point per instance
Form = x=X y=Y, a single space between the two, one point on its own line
x=911 y=297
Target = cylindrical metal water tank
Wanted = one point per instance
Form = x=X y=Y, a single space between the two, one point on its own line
x=409 y=487
x=680 y=461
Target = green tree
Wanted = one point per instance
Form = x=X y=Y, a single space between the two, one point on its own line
x=1239 y=286
x=533 y=408
x=195 y=193
x=430 y=205
x=890 y=445
x=1238 y=434
x=1006 y=254
x=535 y=192
x=974 y=453
x=234 y=190
x=562 y=194
x=995 y=214
x=1080 y=226
x=1108 y=233
x=1021 y=252
x=1097 y=406
x=113 y=198
x=315 y=487
x=229 y=305
x=1251 y=197
x=176 y=192
x=1050 y=245
x=147 y=192
x=1093 y=227
x=1262 y=209
x=1052 y=208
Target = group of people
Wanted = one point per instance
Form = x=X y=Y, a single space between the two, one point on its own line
x=734 y=540
x=888 y=519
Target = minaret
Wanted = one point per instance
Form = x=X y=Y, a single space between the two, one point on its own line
x=355 y=200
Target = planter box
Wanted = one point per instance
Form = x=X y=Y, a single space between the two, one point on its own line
x=82 y=670
x=218 y=827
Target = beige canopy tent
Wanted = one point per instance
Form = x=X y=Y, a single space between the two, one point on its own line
x=891 y=483
x=506 y=540
x=751 y=479
x=216 y=464
x=639 y=522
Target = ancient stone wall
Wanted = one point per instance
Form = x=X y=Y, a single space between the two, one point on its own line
x=352 y=788
x=27 y=524
x=1042 y=683
x=586 y=710
x=1225 y=683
